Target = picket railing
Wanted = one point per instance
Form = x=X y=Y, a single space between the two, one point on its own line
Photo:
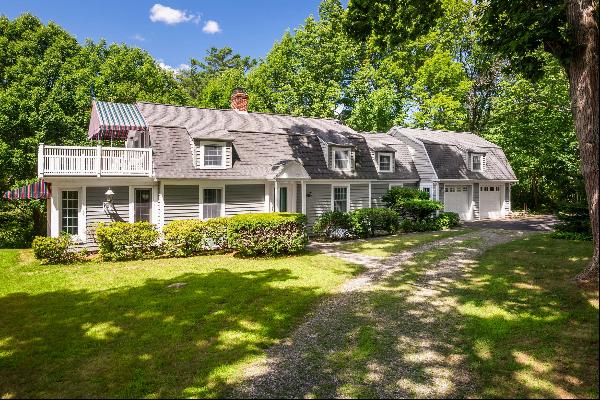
x=93 y=161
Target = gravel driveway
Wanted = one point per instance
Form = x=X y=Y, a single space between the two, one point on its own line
x=390 y=332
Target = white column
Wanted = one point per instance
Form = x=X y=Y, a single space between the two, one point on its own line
x=55 y=212
x=161 y=205
x=154 y=213
x=303 y=197
x=276 y=208
x=41 y=160
x=98 y=160
x=131 y=215
x=267 y=196
x=370 y=203
x=83 y=214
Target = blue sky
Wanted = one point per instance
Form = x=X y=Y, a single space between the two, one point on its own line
x=173 y=31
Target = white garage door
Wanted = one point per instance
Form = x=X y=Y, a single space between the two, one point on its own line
x=490 y=201
x=456 y=199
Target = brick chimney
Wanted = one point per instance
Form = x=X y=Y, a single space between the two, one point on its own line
x=239 y=100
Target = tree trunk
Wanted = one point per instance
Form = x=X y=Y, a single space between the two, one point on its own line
x=583 y=80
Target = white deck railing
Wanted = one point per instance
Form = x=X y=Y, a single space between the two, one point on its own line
x=93 y=161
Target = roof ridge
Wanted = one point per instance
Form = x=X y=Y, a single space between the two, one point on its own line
x=248 y=112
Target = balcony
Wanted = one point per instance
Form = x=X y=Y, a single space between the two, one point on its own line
x=93 y=161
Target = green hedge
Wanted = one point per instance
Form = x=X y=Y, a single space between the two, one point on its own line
x=444 y=220
x=119 y=241
x=184 y=238
x=411 y=203
x=267 y=233
x=366 y=222
x=55 y=250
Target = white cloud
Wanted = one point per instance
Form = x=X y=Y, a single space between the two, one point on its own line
x=171 y=16
x=211 y=27
x=170 y=68
x=138 y=37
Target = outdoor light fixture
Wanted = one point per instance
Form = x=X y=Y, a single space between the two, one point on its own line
x=108 y=205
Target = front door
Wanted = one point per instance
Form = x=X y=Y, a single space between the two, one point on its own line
x=283 y=199
x=143 y=205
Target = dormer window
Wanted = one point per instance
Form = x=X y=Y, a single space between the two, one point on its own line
x=212 y=155
x=342 y=159
x=477 y=162
x=385 y=162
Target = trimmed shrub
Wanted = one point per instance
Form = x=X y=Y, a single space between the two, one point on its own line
x=55 y=250
x=397 y=194
x=411 y=203
x=267 y=233
x=188 y=237
x=418 y=209
x=118 y=241
x=368 y=221
x=333 y=225
x=447 y=220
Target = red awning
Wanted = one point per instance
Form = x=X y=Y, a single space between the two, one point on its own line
x=114 y=120
x=36 y=190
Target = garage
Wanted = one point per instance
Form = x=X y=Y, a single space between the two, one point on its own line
x=490 y=201
x=456 y=199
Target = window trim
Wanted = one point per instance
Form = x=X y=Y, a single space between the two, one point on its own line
x=201 y=200
x=392 y=161
x=81 y=217
x=481 y=156
x=151 y=189
x=223 y=145
x=344 y=149
x=347 y=187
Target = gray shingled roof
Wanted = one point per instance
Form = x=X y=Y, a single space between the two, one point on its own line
x=262 y=142
x=448 y=152
x=404 y=165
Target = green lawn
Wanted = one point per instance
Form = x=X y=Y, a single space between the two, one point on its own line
x=388 y=245
x=530 y=330
x=116 y=330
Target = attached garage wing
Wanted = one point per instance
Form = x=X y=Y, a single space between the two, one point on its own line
x=456 y=199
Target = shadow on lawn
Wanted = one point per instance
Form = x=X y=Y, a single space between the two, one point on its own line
x=507 y=330
x=143 y=341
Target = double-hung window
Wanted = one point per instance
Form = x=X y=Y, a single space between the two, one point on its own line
x=70 y=212
x=340 y=198
x=341 y=159
x=213 y=155
x=476 y=162
x=385 y=162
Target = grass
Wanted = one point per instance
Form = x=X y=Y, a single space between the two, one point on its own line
x=530 y=330
x=516 y=326
x=117 y=330
x=386 y=246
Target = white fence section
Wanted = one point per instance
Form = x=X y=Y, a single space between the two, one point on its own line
x=90 y=161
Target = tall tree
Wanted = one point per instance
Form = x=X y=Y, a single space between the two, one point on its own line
x=533 y=123
x=568 y=29
x=306 y=72
x=217 y=61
